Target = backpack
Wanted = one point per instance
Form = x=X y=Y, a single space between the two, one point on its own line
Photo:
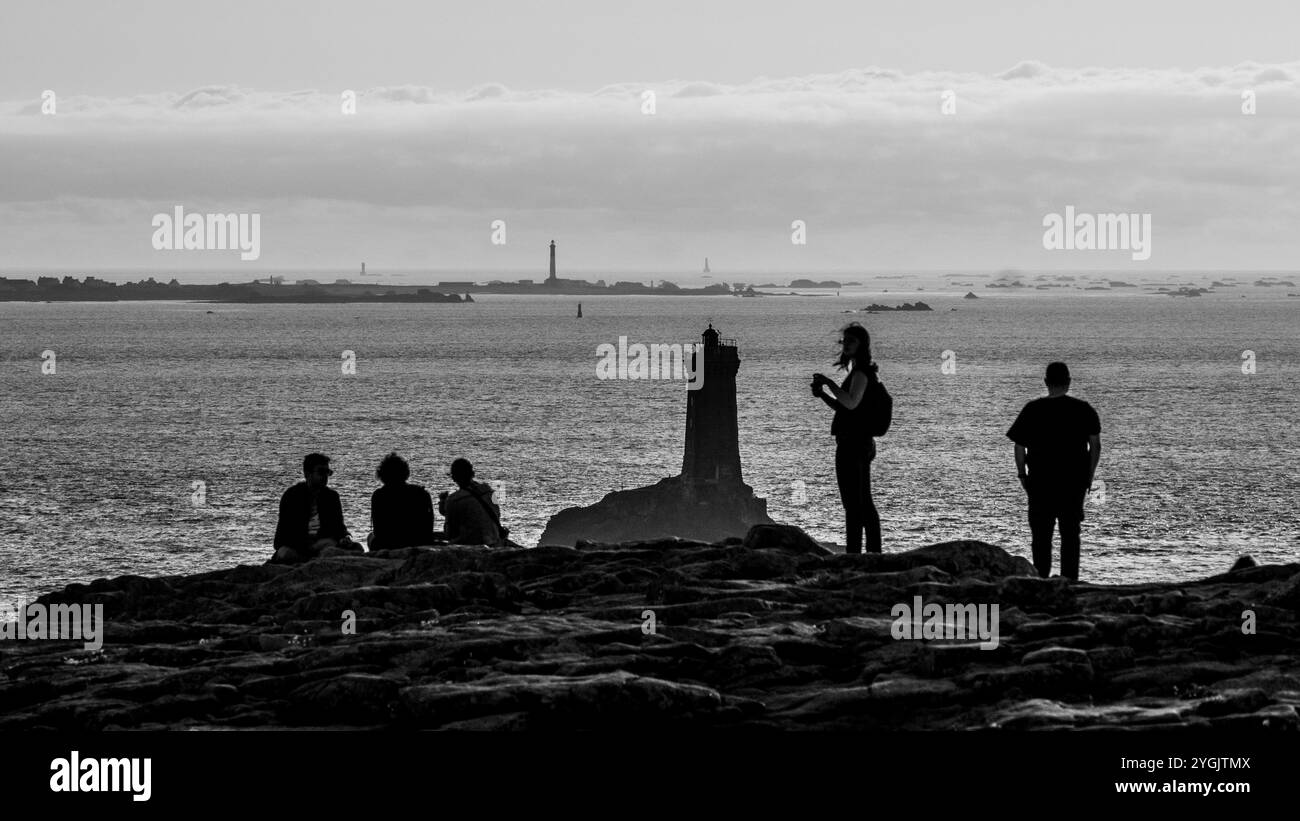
x=880 y=408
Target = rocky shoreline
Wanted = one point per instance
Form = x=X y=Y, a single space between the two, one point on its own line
x=770 y=632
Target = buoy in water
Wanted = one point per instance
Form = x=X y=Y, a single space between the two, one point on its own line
x=579 y=310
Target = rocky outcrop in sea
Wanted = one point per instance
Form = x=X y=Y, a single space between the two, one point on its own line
x=773 y=631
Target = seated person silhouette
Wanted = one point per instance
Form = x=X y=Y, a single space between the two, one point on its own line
x=311 y=516
x=401 y=515
x=471 y=515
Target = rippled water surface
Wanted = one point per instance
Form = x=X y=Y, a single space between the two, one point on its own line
x=99 y=459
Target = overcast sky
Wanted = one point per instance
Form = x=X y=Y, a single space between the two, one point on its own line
x=765 y=113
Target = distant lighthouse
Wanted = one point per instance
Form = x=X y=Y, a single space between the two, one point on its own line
x=706 y=265
x=363 y=272
x=551 y=279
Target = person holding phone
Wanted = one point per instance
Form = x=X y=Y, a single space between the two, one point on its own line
x=852 y=428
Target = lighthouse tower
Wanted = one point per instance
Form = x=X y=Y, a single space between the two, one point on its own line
x=712 y=436
x=708 y=501
x=551 y=279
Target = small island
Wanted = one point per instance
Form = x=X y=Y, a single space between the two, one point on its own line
x=808 y=283
x=874 y=308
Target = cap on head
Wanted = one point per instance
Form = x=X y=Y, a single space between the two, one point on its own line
x=462 y=470
x=1057 y=374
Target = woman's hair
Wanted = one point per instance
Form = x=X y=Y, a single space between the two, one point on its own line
x=393 y=470
x=862 y=360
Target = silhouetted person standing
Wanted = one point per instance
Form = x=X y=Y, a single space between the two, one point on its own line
x=854 y=446
x=311 y=515
x=401 y=515
x=1058 y=444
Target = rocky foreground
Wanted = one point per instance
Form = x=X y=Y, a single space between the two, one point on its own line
x=774 y=632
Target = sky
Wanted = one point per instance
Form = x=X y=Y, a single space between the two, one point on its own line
x=482 y=132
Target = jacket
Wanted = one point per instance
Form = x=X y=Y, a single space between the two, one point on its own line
x=295 y=513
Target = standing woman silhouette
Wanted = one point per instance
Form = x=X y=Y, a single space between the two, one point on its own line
x=854 y=447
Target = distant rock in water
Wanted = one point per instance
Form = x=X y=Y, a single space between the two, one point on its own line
x=1244 y=562
x=808 y=283
x=970 y=295
x=1189 y=292
x=906 y=306
x=708 y=501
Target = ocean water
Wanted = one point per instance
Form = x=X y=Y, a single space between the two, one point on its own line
x=100 y=459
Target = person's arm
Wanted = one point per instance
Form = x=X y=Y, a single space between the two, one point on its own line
x=451 y=520
x=336 y=502
x=376 y=516
x=283 y=526
x=495 y=518
x=1094 y=451
x=820 y=392
x=426 y=513
x=850 y=398
x=1019 y=433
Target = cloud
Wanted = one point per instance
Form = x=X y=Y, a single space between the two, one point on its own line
x=865 y=156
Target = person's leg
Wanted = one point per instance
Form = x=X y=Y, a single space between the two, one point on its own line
x=848 y=474
x=1041 y=523
x=287 y=555
x=871 y=516
x=1071 y=528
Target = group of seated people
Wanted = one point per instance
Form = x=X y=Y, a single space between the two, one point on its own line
x=401 y=514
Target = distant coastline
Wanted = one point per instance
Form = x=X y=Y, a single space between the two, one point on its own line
x=69 y=289
x=92 y=289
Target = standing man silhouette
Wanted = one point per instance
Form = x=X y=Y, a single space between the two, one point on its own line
x=1058 y=444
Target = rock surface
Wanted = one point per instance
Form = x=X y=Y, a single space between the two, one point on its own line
x=768 y=632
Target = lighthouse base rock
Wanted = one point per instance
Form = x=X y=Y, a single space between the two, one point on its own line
x=673 y=507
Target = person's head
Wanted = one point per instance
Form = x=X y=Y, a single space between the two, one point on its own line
x=393 y=470
x=316 y=468
x=1057 y=378
x=855 y=347
x=462 y=472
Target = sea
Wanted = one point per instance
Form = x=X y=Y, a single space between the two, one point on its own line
x=163 y=438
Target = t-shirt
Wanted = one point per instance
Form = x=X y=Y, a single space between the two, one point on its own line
x=313 y=523
x=1055 y=430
